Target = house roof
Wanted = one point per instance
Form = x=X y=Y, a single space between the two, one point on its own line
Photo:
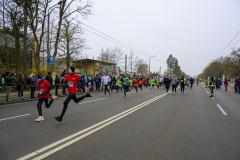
x=92 y=60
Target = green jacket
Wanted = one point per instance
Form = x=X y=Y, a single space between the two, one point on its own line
x=118 y=82
x=158 y=81
x=184 y=80
x=9 y=79
x=20 y=83
x=131 y=82
x=211 y=84
x=126 y=81
x=151 y=81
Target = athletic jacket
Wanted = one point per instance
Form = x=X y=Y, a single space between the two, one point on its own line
x=126 y=81
x=135 y=82
x=106 y=80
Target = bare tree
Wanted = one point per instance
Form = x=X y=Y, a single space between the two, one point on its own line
x=111 y=55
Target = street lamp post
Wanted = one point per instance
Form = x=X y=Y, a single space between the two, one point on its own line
x=149 y=63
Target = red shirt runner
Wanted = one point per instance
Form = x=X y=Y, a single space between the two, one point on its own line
x=72 y=82
x=44 y=86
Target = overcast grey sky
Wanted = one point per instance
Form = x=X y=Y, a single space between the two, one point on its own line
x=193 y=31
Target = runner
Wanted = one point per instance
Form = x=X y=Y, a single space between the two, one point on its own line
x=206 y=82
x=158 y=83
x=126 y=85
x=226 y=84
x=182 y=83
x=151 y=82
x=197 y=81
x=141 y=83
x=167 y=83
x=191 y=80
x=135 y=81
x=72 y=83
x=106 y=80
x=161 y=82
x=119 y=85
x=130 y=85
x=174 y=84
x=113 y=81
x=211 y=86
x=44 y=87
x=146 y=82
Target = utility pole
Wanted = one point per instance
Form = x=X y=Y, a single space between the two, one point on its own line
x=149 y=64
x=160 y=70
x=86 y=65
x=125 y=64
x=93 y=67
x=48 y=47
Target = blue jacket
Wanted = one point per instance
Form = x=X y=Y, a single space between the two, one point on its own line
x=191 y=80
x=97 y=79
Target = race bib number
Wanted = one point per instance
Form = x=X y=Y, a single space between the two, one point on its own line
x=89 y=84
x=181 y=80
x=41 y=91
x=125 y=83
x=135 y=85
x=70 y=84
x=145 y=82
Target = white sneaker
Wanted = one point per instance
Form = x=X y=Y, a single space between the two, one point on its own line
x=54 y=97
x=40 y=118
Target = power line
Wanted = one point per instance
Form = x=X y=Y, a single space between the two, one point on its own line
x=229 y=43
x=232 y=47
x=110 y=40
x=116 y=40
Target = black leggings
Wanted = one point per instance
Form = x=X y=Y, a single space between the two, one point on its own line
x=68 y=99
x=211 y=89
x=136 y=88
x=125 y=90
x=47 y=105
x=32 y=91
x=106 y=89
x=141 y=86
x=182 y=87
x=174 y=87
x=56 y=91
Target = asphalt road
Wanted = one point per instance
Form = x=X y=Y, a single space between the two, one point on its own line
x=149 y=125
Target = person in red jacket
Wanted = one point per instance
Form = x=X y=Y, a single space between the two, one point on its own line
x=72 y=83
x=135 y=82
x=146 y=82
x=44 y=87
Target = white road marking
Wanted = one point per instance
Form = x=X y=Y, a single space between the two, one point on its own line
x=14 y=117
x=221 y=109
x=92 y=100
x=207 y=92
x=212 y=98
x=99 y=126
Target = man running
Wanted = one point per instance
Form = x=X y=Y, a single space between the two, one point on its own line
x=72 y=83
x=174 y=84
x=182 y=83
x=106 y=80
x=206 y=82
x=44 y=95
x=191 y=80
x=135 y=81
x=167 y=82
x=141 y=83
x=113 y=81
x=126 y=84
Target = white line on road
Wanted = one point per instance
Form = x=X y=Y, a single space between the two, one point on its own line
x=207 y=92
x=93 y=100
x=99 y=126
x=212 y=98
x=14 y=117
x=221 y=109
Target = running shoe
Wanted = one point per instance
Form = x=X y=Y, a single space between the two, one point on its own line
x=109 y=94
x=40 y=118
x=124 y=97
x=59 y=119
x=88 y=95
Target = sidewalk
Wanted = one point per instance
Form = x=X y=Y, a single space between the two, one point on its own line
x=15 y=99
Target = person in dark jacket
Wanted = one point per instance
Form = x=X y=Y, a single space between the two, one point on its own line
x=57 y=82
x=113 y=82
x=8 y=82
x=32 y=84
x=97 y=81
x=63 y=73
x=167 y=83
x=64 y=84
x=49 y=78
x=20 y=85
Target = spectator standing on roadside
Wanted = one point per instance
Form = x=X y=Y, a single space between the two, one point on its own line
x=49 y=78
x=97 y=79
x=32 y=84
x=3 y=82
x=8 y=82
x=57 y=82
x=64 y=84
x=20 y=85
